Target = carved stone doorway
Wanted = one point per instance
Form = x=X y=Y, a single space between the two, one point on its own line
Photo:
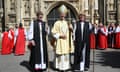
x=53 y=14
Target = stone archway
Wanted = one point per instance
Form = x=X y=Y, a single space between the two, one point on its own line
x=55 y=4
x=52 y=12
x=53 y=15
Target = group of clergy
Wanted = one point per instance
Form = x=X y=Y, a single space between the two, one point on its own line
x=103 y=37
x=13 y=40
x=76 y=38
x=63 y=43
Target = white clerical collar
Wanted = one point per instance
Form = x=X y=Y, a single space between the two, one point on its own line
x=82 y=22
x=40 y=23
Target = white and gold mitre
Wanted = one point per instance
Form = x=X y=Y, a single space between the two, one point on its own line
x=96 y=21
x=63 y=9
x=10 y=27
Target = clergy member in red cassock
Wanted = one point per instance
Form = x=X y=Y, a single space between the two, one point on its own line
x=20 y=38
x=117 y=37
x=102 y=36
x=11 y=31
x=5 y=43
x=93 y=37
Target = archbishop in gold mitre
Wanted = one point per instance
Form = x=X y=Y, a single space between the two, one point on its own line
x=64 y=46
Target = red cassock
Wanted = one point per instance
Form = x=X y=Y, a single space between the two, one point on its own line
x=20 y=42
x=12 y=40
x=117 y=40
x=92 y=41
x=5 y=44
x=102 y=40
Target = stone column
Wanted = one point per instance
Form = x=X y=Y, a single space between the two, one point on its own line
x=31 y=9
x=1 y=13
x=6 y=10
x=118 y=11
x=21 y=11
x=79 y=7
x=86 y=7
x=96 y=15
x=91 y=9
x=82 y=3
x=96 y=4
x=86 y=4
x=18 y=11
x=0 y=3
x=42 y=8
x=40 y=4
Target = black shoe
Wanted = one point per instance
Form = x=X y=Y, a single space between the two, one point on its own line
x=77 y=71
x=27 y=65
x=62 y=70
x=86 y=69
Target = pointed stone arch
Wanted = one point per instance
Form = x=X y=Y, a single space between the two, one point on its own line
x=55 y=4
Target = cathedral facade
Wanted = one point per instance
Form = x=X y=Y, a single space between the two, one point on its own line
x=15 y=11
